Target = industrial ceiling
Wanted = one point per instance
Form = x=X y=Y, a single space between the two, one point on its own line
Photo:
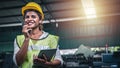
x=61 y=10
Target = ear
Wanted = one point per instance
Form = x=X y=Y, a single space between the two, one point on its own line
x=40 y=22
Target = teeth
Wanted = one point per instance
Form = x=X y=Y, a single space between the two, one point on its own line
x=30 y=23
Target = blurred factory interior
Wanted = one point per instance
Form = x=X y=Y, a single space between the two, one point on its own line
x=82 y=25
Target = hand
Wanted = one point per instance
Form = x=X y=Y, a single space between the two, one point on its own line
x=26 y=30
x=45 y=63
x=40 y=60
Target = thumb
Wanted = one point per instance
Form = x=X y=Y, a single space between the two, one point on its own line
x=45 y=57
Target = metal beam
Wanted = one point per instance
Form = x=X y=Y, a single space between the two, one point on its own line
x=59 y=20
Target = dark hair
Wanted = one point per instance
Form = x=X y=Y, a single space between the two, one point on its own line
x=40 y=17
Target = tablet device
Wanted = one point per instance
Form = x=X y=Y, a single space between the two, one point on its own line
x=49 y=53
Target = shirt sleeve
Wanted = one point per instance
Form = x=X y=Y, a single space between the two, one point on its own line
x=16 y=49
x=58 y=56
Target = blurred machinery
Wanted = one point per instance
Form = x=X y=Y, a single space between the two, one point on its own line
x=100 y=59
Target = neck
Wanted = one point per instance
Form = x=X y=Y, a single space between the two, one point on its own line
x=36 y=33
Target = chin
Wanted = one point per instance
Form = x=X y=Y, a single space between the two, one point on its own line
x=32 y=26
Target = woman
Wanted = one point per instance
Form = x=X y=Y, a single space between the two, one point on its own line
x=34 y=39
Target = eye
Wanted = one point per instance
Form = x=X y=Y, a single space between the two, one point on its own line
x=33 y=16
x=26 y=16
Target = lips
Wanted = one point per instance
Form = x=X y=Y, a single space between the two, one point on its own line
x=30 y=23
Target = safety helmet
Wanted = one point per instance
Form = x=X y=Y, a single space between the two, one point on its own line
x=34 y=6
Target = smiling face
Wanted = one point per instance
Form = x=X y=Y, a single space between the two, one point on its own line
x=32 y=19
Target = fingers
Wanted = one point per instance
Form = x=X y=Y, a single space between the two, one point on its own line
x=26 y=30
x=45 y=58
x=39 y=60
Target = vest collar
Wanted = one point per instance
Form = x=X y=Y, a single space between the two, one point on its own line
x=44 y=35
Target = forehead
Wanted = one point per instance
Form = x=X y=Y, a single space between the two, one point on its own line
x=31 y=13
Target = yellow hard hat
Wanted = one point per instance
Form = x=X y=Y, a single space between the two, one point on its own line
x=33 y=5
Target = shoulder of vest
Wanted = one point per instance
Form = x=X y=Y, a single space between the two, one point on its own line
x=50 y=36
x=20 y=36
x=20 y=39
x=53 y=36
